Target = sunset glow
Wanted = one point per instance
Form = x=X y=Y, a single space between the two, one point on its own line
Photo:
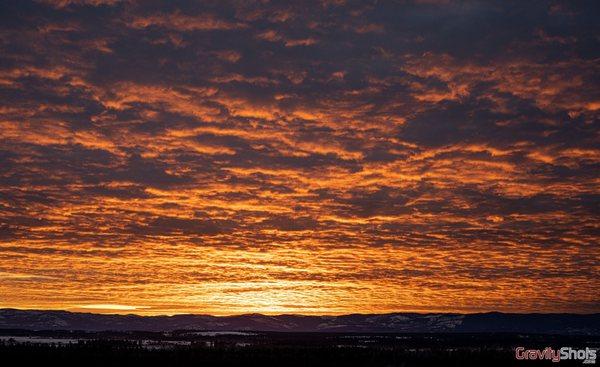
x=331 y=157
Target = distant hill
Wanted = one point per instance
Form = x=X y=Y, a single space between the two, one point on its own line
x=394 y=322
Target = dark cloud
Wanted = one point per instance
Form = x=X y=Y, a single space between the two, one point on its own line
x=170 y=225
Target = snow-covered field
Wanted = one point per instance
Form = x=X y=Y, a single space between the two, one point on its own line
x=38 y=340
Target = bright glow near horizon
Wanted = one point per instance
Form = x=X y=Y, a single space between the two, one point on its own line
x=111 y=307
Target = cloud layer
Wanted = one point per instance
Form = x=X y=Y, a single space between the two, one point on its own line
x=315 y=157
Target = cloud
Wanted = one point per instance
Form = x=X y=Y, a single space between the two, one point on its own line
x=111 y=307
x=185 y=23
x=376 y=157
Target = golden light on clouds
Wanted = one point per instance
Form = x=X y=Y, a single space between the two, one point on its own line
x=232 y=158
x=109 y=307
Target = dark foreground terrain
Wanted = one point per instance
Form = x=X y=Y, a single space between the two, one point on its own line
x=491 y=322
x=193 y=348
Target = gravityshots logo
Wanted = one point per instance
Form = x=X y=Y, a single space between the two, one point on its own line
x=587 y=355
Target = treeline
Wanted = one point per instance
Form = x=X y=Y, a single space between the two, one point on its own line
x=124 y=353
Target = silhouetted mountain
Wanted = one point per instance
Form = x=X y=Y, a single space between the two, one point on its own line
x=394 y=322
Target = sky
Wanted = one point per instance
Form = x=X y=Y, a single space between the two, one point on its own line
x=309 y=157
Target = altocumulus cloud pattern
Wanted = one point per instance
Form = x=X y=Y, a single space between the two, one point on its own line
x=308 y=156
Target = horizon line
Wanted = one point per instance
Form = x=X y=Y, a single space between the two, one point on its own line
x=293 y=314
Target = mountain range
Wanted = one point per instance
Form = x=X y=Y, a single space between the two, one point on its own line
x=572 y=324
